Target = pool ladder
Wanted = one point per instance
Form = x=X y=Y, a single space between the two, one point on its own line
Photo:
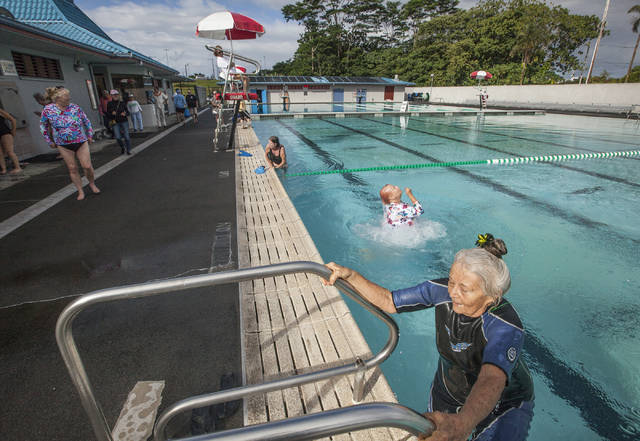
x=305 y=427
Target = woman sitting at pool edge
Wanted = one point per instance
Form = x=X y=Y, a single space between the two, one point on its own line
x=274 y=153
x=396 y=212
x=482 y=386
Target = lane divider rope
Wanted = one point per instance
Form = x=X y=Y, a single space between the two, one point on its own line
x=501 y=161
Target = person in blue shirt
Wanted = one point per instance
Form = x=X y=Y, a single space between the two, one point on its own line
x=180 y=103
x=482 y=387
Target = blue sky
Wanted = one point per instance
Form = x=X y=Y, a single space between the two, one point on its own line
x=165 y=29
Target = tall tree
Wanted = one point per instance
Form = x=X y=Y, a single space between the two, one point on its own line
x=415 y=12
x=533 y=36
x=519 y=41
x=635 y=25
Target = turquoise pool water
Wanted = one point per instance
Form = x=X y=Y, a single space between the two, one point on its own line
x=571 y=228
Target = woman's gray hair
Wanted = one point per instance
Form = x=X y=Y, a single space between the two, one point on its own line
x=494 y=273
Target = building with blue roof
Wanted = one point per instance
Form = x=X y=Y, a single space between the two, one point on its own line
x=305 y=89
x=47 y=43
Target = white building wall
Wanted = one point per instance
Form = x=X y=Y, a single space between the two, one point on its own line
x=29 y=142
x=375 y=93
x=591 y=97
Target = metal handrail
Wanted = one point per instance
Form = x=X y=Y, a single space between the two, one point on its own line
x=328 y=423
x=71 y=357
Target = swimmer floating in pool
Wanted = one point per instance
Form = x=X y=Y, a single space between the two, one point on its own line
x=396 y=212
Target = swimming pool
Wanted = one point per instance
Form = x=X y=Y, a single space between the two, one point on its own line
x=571 y=229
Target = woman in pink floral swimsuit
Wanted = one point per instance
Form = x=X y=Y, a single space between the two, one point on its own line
x=396 y=212
x=71 y=131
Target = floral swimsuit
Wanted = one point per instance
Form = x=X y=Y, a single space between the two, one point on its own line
x=69 y=126
x=401 y=213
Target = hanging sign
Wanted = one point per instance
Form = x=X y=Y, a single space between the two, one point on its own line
x=8 y=68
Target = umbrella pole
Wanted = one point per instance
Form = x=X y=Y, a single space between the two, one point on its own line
x=231 y=61
x=216 y=135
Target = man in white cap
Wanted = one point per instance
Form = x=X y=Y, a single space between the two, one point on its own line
x=118 y=112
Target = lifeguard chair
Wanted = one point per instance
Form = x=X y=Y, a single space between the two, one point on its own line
x=229 y=26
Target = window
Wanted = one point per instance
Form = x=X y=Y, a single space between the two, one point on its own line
x=37 y=67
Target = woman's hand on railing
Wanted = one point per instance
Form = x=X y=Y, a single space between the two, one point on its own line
x=449 y=427
x=337 y=272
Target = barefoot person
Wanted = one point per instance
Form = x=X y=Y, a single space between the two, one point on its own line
x=396 y=212
x=482 y=387
x=72 y=133
x=274 y=153
x=7 y=135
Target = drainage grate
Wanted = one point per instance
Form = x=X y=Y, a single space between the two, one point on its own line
x=221 y=250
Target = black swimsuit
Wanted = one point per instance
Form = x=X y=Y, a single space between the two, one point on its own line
x=273 y=158
x=74 y=147
x=4 y=128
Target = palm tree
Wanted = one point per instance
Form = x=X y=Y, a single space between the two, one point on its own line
x=635 y=23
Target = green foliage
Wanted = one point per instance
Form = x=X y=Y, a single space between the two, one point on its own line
x=519 y=41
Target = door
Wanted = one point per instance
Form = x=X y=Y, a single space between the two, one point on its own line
x=338 y=99
x=264 y=108
x=361 y=96
x=388 y=93
x=254 y=106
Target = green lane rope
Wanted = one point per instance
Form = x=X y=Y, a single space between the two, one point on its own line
x=502 y=161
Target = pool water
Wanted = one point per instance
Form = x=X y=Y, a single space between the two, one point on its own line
x=571 y=228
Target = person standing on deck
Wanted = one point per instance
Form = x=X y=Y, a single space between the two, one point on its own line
x=118 y=112
x=72 y=132
x=180 y=103
x=7 y=135
x=136 y=113
x=192 y=105
x=159 y=100
x=104 y=102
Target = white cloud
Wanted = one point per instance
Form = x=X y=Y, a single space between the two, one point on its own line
x=152 y=28
x=273 y=4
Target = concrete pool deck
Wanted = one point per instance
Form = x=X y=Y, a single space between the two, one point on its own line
x=292 y=324
x=161 y=214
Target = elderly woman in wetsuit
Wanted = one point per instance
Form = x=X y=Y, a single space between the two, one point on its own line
x=274 y=153
x=482 y=386
x=72 y=134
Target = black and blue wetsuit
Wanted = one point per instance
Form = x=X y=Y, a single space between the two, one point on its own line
x=465 y=344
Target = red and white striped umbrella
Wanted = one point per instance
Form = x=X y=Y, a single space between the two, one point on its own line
x=227 y=25
x=480 y=75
